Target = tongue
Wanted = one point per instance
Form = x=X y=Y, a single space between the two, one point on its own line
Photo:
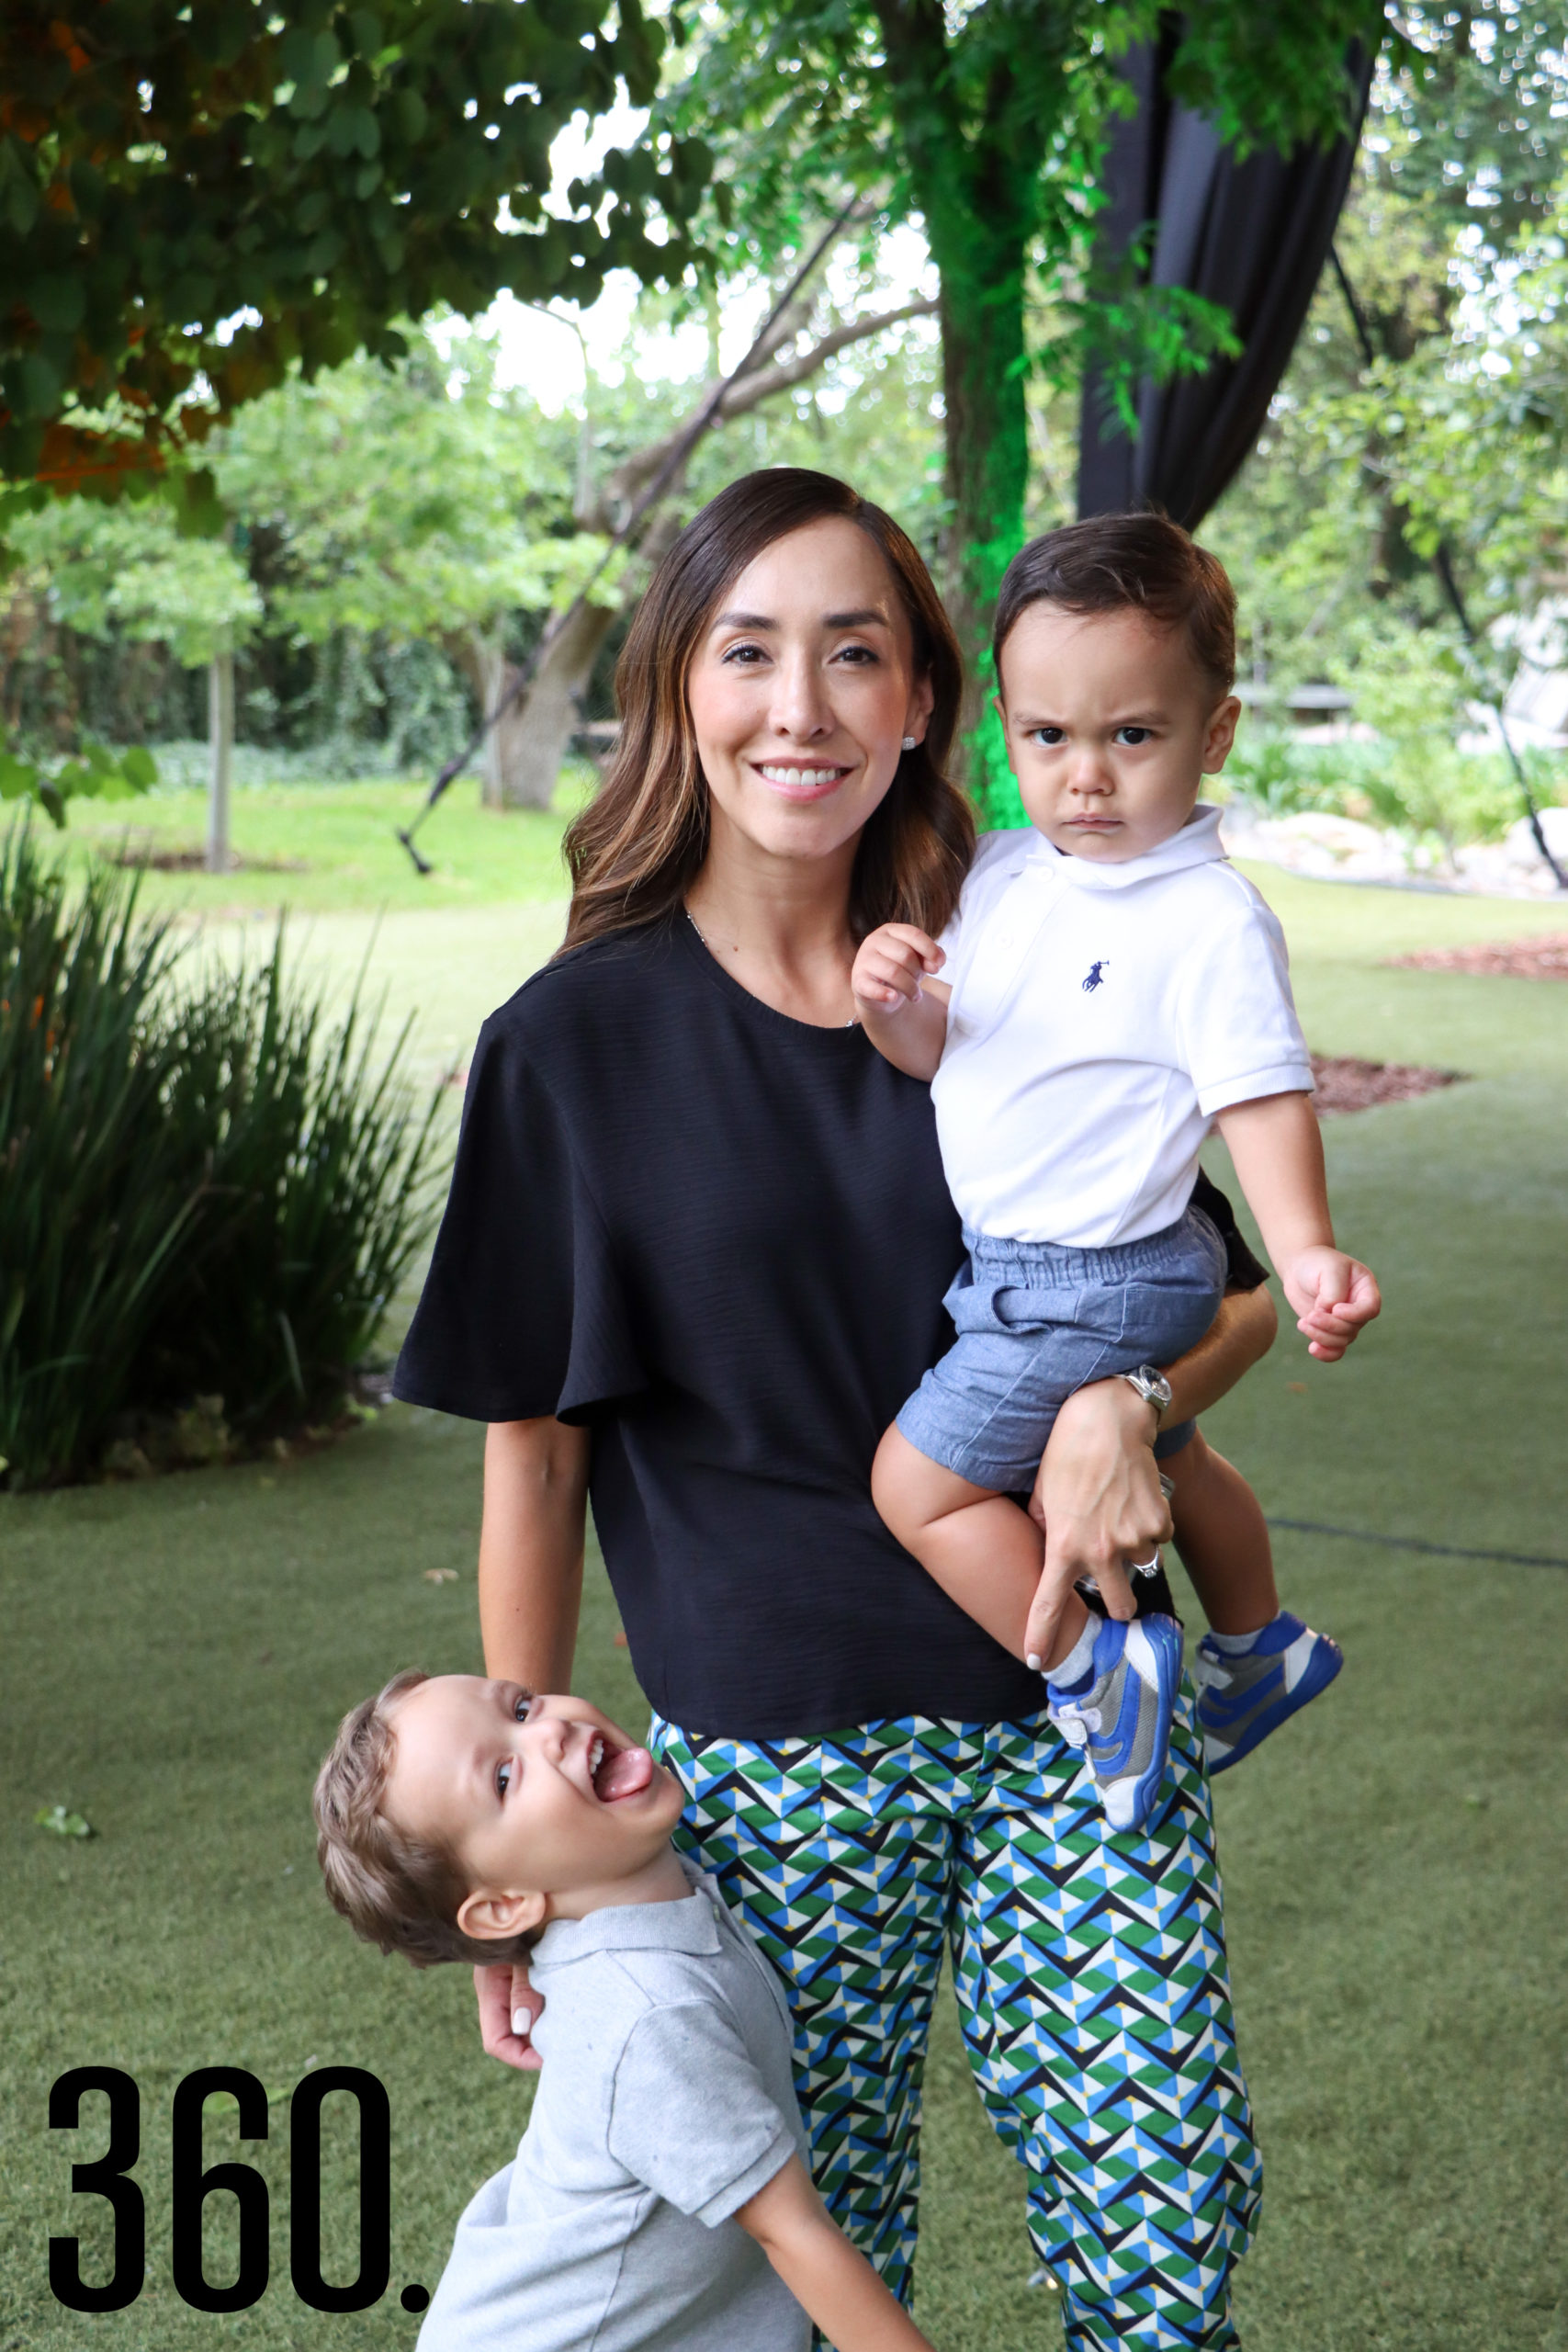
x=624 y=1771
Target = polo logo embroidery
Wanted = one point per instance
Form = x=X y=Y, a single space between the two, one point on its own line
x=1095 y=977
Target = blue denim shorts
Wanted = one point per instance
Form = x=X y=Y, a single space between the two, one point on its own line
x=1036 y=1321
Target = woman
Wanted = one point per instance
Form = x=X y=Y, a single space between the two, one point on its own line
x=692 y=1263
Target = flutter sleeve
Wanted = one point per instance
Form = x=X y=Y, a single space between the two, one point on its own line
x=522 y=1312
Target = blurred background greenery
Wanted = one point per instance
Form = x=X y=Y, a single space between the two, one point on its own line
x=397 y=537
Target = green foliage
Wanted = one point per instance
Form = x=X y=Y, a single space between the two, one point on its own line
x=130 y=569
x=383 y=516
x=60 y=1822
x=1479 y=99
x=1455 y=433
x=1132 y=334
x=1414 y=688
x=1279 y=776
x=1272 y=77
x=91 y=1207
x=990 y=123
x=207 y=1188
x=413 y=499
x=91 y=773
x=194 y=197
x=317 y=1195
x=1414 y=781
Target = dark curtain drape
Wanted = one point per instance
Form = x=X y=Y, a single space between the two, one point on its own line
x=1251 y=235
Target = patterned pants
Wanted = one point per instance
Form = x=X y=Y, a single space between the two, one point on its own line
x=1091 y=1972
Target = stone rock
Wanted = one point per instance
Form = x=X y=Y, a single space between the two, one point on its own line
x=1328 y=847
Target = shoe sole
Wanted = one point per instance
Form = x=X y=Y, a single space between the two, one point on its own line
x=1328 y=1657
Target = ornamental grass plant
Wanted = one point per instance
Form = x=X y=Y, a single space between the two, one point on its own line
x=210 y=1188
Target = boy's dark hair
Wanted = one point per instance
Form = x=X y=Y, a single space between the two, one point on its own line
x=1115 y=563
x=393 y=1891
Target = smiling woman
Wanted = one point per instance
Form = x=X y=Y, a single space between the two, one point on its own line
x=833 y=666
x=693 y=1262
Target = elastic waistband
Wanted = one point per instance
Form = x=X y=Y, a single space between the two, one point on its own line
x=1046 y=1264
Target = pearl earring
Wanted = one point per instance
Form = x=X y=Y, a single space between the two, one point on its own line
x=909 y=742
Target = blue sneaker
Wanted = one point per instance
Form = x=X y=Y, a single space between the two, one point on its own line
x=1243 y=1695
x=1119 y=1715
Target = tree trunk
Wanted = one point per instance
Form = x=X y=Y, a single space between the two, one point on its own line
x=544 y=722
x=981 y=266
x=975 y=179
x=986 y=424
x=479 y=655
x=524 y=749
x=220 y=744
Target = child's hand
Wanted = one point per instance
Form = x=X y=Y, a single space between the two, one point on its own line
x=891 y=965
x=1333 y=1296
x=507 y=1999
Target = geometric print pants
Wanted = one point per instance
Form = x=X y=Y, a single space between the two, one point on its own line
x=1089 y=1967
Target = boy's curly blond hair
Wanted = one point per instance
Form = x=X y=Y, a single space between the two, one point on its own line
x=394 y=1890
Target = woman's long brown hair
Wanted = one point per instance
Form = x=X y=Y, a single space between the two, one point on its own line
x=637 y=847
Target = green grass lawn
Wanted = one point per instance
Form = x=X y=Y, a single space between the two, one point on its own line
x=175 y=1655
x=335 y=845
x=445 y=948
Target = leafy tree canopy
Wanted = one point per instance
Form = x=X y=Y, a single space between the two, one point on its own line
x=990 y=123
x=1449 y=430
x=414 y=501
x=194 y=197
x=127 y=570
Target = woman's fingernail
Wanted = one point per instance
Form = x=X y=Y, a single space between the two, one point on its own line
x=1033 y=1661
x=520 y=2021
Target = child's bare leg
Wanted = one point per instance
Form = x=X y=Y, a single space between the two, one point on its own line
x=1223 y=1538
x=1256 y=1666
x=979 y=1547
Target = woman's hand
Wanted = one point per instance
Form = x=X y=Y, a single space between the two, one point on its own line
x=507 y=2000
x=1099 y=1502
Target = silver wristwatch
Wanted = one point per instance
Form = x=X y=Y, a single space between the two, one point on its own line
x=1152 y=1386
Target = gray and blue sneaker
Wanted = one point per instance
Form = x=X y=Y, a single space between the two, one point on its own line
x=1118 y=1715
x=1243 y=1695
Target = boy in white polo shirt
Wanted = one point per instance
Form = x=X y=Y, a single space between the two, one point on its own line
x=1112 y=986
x=659 y=2201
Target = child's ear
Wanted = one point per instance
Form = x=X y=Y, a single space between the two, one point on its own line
x=1000 y=706
x=491 y=1918
x=1217 y=742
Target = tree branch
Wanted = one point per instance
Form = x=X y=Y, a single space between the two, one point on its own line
x=746 y=393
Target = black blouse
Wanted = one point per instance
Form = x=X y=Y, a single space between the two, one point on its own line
x=720 y=1238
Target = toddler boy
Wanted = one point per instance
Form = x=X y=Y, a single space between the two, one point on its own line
x=658 y=2200
x=1114 y=987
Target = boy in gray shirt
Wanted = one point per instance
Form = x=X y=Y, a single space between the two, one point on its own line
x=658 y=2200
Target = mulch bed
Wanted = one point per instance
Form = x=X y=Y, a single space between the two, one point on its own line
x=142 y=856
x=1540 y=959
x=1345 y=1083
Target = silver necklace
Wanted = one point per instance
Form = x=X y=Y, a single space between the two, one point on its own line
x=853 y=1020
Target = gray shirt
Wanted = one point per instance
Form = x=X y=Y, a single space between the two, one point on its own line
x=664 y=2103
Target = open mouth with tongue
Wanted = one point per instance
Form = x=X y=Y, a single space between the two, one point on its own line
x=616 y=1772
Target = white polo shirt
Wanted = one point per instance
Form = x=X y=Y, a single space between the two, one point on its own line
x=1101 y=1015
